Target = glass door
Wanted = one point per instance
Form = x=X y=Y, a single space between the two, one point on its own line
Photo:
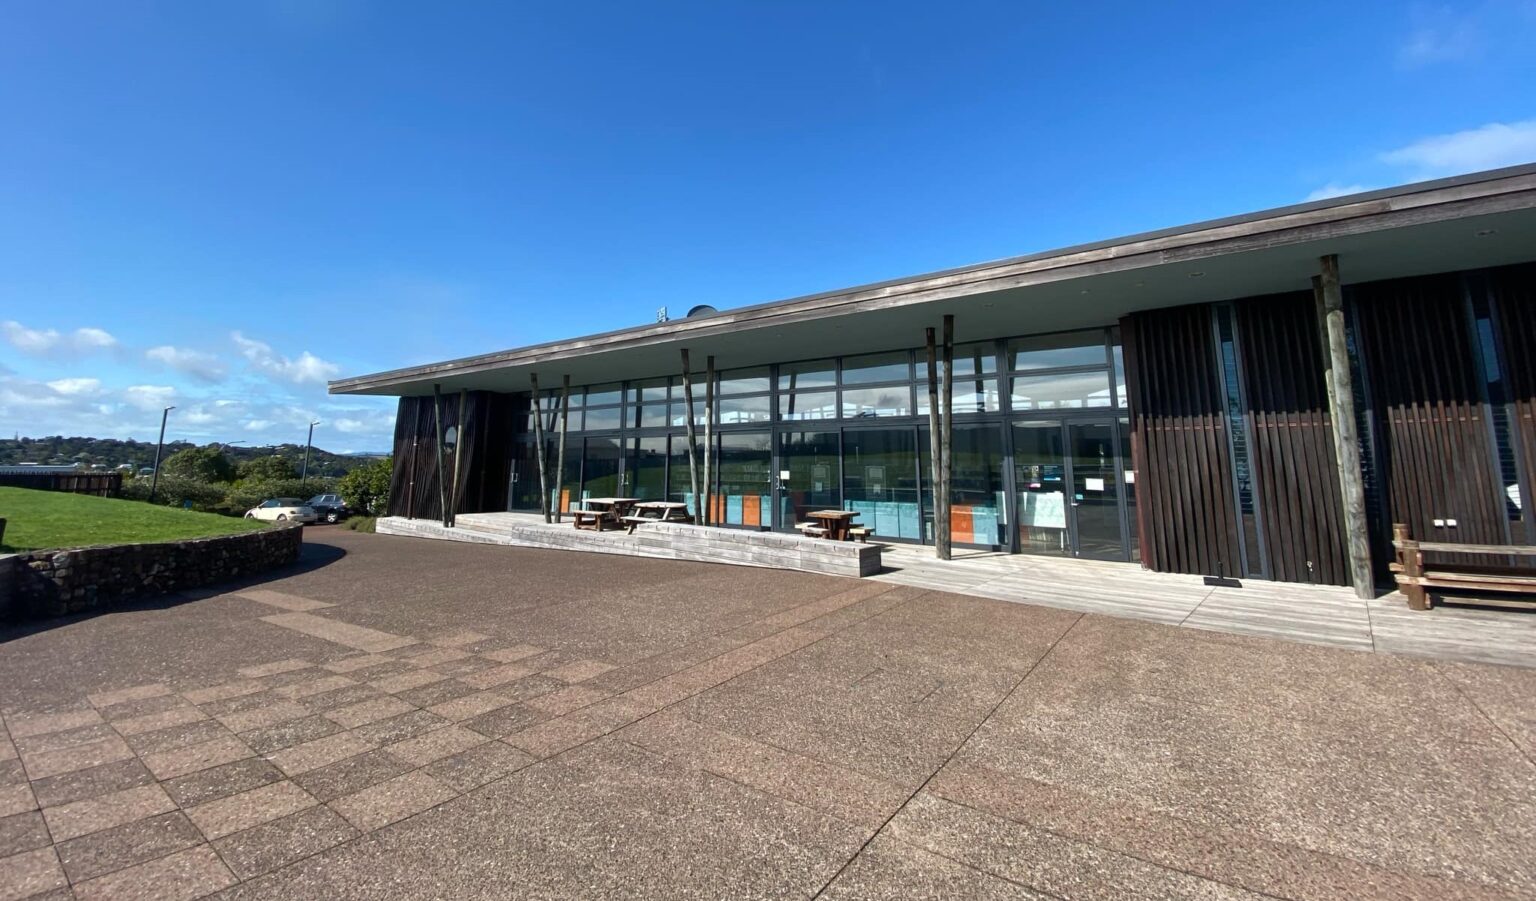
x=1072 y=487
x=810 y=475
x=1040 y=488
x=647 y=468
x=602 y=475
x=880 y=481
x=1095 y=500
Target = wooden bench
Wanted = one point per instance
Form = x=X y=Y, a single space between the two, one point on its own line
x=859 y=534
x=811 y=529
x=596 y=520
x=1416 y=578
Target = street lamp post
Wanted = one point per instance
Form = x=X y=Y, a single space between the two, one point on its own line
x=154 y=481
x=304 y=473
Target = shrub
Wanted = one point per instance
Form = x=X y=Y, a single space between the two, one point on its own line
x=366 y=488
x=362 y=523
x=176 y=491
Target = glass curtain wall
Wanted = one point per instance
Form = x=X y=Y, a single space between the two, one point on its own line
x=851 y=433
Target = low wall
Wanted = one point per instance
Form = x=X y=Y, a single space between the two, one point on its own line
x=77 y=580
x=673 y=541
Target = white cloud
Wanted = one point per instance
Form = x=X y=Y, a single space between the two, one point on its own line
x=46 y=341
x=149 y=397
x=76 y=386
x=305 y=369
x=1487 y=147
x=258 y=425
x=1441 y=34
x=201 y=366
x=1334 y=189
x=93 y=337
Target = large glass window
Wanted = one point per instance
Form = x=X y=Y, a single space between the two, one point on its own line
x=880 y=481
x=887 y=367
x=745 y=381
x=680 y=477
x=811 y=374
x=808 y=405
x=868 y=403
x=1058 y=391
x=600 y=419
x=978 y=507
x=600 y=473
x=1057 y=351
x=745 y=485
x=733 y=410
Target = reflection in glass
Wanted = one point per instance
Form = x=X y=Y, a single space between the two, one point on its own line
x=880 y=481
x=745 y=381
x=887 y=367
x=651 y=389
x=971 y=396
x=1128 y=479
x=808 y=405
x=1063 y=390
x=809 y=374
x=611 y=393
x=679 y=479
x=1051 y=351
x=815 y=475
x=650 y=416
x=599 y=419
x=868 y=403
x=601 y=470
x=679 y=415
x=978 y=513
x=745 y=409
x=648 y=468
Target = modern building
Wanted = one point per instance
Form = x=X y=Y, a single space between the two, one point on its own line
x=1168 y=398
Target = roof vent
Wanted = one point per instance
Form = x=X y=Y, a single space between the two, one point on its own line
x=702 y=309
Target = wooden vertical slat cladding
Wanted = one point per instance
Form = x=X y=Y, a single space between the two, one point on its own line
x=1432 y=444
x=484 y=462
x=1514 y=295
x=1290 y=445
x=1179 y=431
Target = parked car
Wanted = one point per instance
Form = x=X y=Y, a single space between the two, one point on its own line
x=329 y=507
x=282 y=509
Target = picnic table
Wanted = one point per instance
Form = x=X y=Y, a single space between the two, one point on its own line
x=836 y=525
x=657 y=511
x=597 y=513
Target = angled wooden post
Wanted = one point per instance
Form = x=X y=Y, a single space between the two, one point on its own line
x=935 y=438
x=437 y=423
x=458 y=459
x=709 y=437
x=693 y=460
x=565 y=412
x=1346 y=438
x=947 y=398
x=538 y=437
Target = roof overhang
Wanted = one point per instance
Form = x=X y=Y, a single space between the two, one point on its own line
x=1472 y=221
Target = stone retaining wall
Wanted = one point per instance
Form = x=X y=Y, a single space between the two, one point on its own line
x=76 y=580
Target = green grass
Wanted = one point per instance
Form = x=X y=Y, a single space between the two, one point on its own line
x=54 y=519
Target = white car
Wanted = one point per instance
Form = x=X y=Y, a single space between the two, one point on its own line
x=282 y=509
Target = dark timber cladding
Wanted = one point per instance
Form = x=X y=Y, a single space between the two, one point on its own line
x=1187 y=512
x=477 y=471
x=1293 y=460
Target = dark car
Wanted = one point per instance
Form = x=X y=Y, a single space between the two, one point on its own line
x=329 y=507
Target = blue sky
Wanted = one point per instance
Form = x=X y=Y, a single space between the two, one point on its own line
x=222 y=205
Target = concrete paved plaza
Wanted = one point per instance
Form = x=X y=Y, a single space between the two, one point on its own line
x=400 y=718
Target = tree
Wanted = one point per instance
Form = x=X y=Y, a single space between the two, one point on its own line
x=267 y=469
x=367 y=487
x=199 y=464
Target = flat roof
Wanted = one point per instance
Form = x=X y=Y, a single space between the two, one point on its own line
x=1028 y=294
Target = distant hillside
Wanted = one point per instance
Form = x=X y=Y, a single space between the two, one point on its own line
x=108 y=453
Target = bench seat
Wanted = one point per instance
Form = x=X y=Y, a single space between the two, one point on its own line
x=1415 y=577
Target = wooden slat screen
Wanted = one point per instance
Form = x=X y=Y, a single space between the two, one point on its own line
x=1291 y=439
x=1514 y=294
x=1432 y=432
x=484 y=462
x=1186 y=509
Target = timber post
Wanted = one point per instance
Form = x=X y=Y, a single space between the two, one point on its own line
x=458 y=459
x=693 y=459
x=1346 y=437
x=709 y=433
x=437 y=422
x=538 y=438
x=565 y=412
x=935 y=437
x=947 y=399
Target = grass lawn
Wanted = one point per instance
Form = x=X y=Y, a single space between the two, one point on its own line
x=50 y=519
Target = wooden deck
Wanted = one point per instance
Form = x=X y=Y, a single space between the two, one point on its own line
x=1317 y=614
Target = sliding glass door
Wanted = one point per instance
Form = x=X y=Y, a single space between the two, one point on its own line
x=1073 y=489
